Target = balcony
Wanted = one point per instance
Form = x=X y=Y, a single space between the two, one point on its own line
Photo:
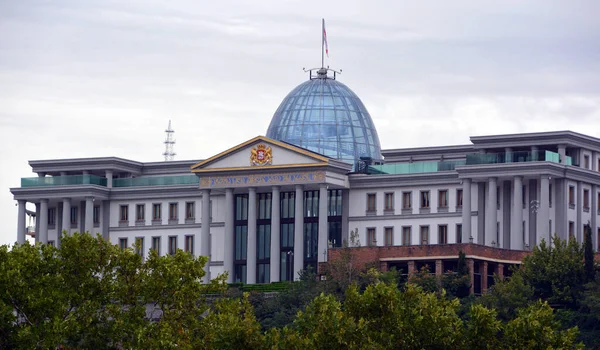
x=157 y=181
x=63 y=181
x=515 y=157
x=414 y=168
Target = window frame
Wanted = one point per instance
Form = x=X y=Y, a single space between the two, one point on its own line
x=189 y=244
x=424 y=238
x=156 y=209
x=406 y=195
x=459 y=198
x=443 y=201
x=173 y=212
x=371 y=237
x=388 y=234
x=172 y=250
x=123 y=213
x=190 y=211
x=406 y=235
x=139 y=249
x=156 y=247
x=140 y=208
x=443 y=234
x=425 y=199
x=388 y=201
x=571 y=196
x=123 y=244
x=372 y=202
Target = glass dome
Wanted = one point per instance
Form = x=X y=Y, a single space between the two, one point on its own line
x=325 y=116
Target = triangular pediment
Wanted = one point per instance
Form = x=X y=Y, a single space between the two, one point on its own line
x=261 y=153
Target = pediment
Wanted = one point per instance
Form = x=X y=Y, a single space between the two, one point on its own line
x=261 y=153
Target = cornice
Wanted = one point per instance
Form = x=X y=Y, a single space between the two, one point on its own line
x=394 y=180
x=34 y=194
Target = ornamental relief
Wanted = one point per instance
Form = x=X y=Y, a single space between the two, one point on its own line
x=262 y=179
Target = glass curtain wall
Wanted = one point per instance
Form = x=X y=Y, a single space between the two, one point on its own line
x=311 y=229
x=263 y=239
x=287 y=212
x=334 y=218
x=241 y=238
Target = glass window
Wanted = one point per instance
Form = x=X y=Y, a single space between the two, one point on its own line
x=173 y=211
x=156 y=211
x=264 y=273
x=572 y=195
x=123 y=243
x=334 y=205
x=139 y=246
x=172 y=245
x=443 y=199
x=96 y=215
x=51 y=216
x=406 y=200
x=124 y=213
x=571 y=230
x=190 y=211
x=406 y=234
x=443 y=234
x=459 y=233
x=371 y=238
x=311 y=236
x=287 y=205
x=424 y=235
x=156 y=244
x=371 y=202
x=263 y=247
x=74 y=215
x=334 y=233
x=287 y=235
x=424 y=199
x=241 y=207
x=139 y=212
x=264 y=206
x=459 y=198
x=389 y=236
x=241 y=241
x=586 y=199
x=311 y=204
x=189 y=244
x=389 y=201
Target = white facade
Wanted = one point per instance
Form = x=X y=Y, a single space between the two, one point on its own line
x=516 y=190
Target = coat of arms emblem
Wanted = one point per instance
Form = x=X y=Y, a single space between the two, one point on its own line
x=261 y=155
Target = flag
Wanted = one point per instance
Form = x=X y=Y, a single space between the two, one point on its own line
x=325 y=39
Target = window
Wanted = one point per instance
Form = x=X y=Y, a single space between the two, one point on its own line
x=139 y=212
x=550 y=196
x=424 y=235
x=406 y=234
x=443 y=199
x=424 y=199
x=371 y=239
x=156 y=244
x=156 y=211
x=406 y=200
x=189 y=244
x=371 y=202
x=458 y=233
x=586 y=199
x=571 y=230
x=443 y=234
x=172 y=211
x=497 y=197
x=598 y=234
x=123 y=243
x=172 y=245
x=524 y=195
x=389 y=201
x=124 y=213
x=51 y=216
x=572 y=196
x=74 y=215
x=139 y=246
x=190 y=213
x=586 y=161
x=96 y=215
x=311 y=204
x=389 y=236
x=459 y=198
x=51 y=243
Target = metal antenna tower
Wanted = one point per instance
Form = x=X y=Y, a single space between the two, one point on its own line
x=169 y=143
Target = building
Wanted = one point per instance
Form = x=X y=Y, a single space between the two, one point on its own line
x=494 y=198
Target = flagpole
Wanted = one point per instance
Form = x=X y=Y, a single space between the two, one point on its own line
x=323 y=43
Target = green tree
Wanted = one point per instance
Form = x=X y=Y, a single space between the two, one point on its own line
x=556 y=273
x=508 y=295
x=91 y=294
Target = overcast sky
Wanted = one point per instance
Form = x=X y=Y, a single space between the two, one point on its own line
x=103 y=77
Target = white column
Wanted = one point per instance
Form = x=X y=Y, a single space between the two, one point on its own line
x=275 y=235
x=466 y=211
x=323 y=231
x=562 y=150
x=299 y=232
x=89 y=215
x=251 y=254
x=43 y=234
x=543 y=214
x=516 y=220
x=66 y=215
x=491 y=217
x=109 y=178
x=205 y=231
x=21 y=228
x=229 y=240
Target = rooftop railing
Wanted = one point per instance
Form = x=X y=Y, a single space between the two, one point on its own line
x=157 y=181
x=63 y=180
x=414 y=168
x=515 y=157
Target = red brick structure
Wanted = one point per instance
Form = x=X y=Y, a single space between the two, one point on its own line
x=483 y=261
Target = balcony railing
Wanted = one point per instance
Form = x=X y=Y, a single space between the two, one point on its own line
x=515 y=157
x=414 y=168
x=157 y=181
x=63 y=180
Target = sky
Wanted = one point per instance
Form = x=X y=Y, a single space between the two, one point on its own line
x=103 y=77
